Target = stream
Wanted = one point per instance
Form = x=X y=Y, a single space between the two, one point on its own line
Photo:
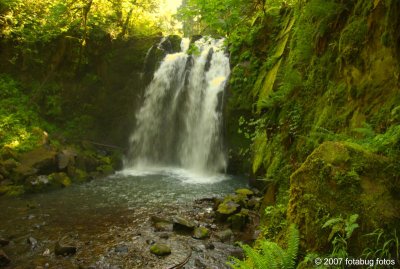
x=108 y=221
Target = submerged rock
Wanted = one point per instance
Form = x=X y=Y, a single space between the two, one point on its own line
x=4 y=260
x=64 y=250
x=160 y=249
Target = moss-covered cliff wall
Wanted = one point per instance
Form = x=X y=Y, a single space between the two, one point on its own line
x=319 y=71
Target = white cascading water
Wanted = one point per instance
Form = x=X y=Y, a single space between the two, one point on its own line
x=180 y=121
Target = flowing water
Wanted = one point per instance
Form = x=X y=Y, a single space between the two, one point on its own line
x=108 y=220
x=180 y=121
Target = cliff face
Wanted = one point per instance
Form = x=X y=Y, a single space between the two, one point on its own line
x=320 y=71
x=92 y=91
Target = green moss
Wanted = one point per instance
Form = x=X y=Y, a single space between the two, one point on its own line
x=12 y=190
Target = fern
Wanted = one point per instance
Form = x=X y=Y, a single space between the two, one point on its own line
x=289 y=257
x=270 y=255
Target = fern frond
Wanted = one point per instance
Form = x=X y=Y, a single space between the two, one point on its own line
x=289 y=258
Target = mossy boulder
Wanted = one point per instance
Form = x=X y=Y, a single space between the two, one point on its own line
x=227 y=208
x=341 y=179
x=238 y=221
x=244 y=192
x=201 y=233
x=41 y=160
x=181 y=224
x=160 y=249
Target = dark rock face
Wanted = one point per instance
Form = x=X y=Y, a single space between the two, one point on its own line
x=341 y=179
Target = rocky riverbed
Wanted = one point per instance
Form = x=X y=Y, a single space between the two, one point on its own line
x=129 y=221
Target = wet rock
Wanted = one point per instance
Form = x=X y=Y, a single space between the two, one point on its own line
x=32 y=242
x=224 y=235
x=254 y=202
x=121 y=249
x=4 y=242
x=64 y=250
x=200 y=263
x=239 y=220
x=227 y=208
x=237 y=253
x=66 y=158
x=4 y=260
x=40 y=160
x=183 y=225
x=164 y=235
x=60 y=179
x=200 y=233
x=245 y=192
x=163 y=226
x=209 y=246
x=160 y=249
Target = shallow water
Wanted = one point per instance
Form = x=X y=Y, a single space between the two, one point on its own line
x=101 y=215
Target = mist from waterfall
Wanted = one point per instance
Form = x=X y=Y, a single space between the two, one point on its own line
x=180 y=121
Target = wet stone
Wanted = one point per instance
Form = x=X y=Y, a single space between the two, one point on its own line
x=200 y=233
x=121 y=249
x=32 y=242
x=64 y=250
x=225 y=235
x=183 y=225
x=160 y=249
x=163 y=226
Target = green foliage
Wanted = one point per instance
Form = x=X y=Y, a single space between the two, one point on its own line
x=352 y=38
x=270 y=254
x=20 y=124
x=383 y=245
x=341 y=231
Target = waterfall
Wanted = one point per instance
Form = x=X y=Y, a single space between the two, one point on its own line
x=180 y=121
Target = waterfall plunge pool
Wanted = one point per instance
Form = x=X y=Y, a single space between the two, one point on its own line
x=108 y=220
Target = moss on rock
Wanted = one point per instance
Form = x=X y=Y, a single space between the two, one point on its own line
x=341 y=178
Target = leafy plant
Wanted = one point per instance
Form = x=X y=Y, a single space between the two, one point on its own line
x=270 y=254
x=383 y=245
x=341 y=231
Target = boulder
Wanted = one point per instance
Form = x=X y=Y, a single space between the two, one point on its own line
x=342 y=179
x=201 y=233
x=66 y=158
x=181 y=224
x=38 y=161
x=160 y=249
x=64 y=250
x=245 y=192
x=226 y=209
x=224 y=235
x=238 y=221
